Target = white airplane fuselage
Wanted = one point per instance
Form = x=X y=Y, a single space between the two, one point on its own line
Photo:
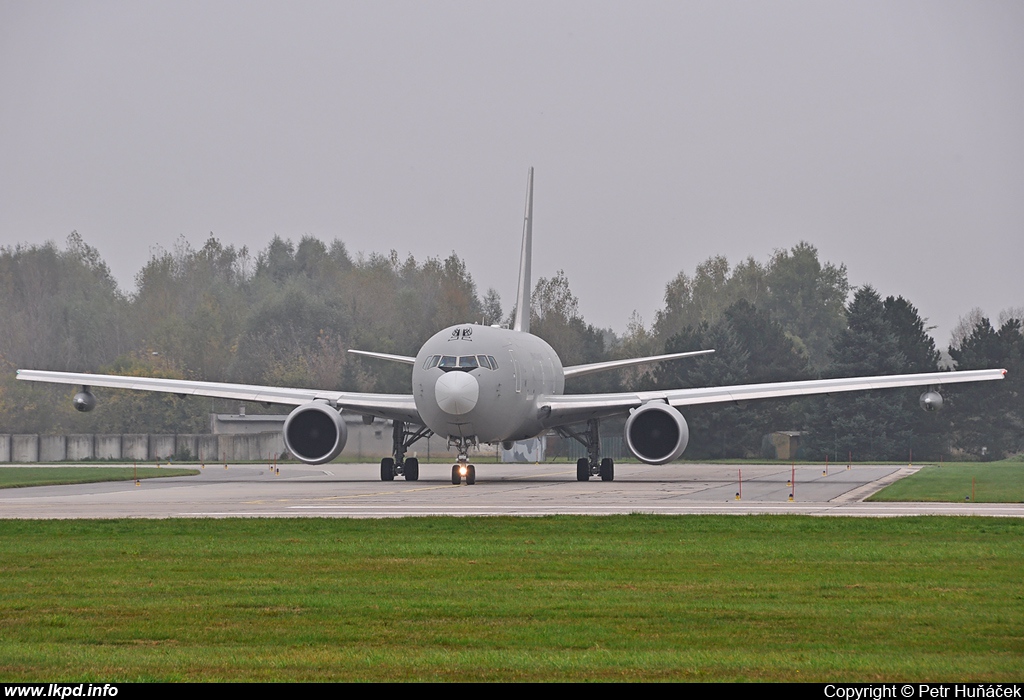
x=489 y=403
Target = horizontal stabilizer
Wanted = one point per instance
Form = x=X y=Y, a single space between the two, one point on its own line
x=404 y=359
x=578 y=370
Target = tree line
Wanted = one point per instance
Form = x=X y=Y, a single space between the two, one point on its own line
x=287 y=314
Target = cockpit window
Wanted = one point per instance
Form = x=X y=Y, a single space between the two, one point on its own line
x=449 y=362
x=468 y=362
x=484 y=362
x=494 y=363
x=431 y=362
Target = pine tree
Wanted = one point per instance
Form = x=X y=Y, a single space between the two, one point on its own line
x=880 y=338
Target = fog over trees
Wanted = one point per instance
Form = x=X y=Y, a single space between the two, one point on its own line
x=287 y=314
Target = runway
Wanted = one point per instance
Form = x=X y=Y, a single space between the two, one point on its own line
x=355 y=491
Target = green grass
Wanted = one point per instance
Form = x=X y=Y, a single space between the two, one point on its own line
x=991 y=482
x=12 y=477
x=714 y=598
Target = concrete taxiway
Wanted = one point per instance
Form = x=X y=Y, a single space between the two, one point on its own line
x=355 y=491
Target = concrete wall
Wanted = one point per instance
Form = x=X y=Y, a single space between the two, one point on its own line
x=370 y=442
x=52 y=448
x=206 y=448
x=161 y=446
x=108 y=447
x=24 y=448
x=79 y=448
x=135 y=448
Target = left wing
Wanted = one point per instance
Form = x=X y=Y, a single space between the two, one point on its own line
x=573 y=408
x=392 y=406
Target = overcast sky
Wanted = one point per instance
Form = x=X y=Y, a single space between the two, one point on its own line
x=890 y=135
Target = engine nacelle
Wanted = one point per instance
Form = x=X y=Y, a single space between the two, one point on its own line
x=84 y=401
x=656 y=433
x=315 y=433
x=931 y=401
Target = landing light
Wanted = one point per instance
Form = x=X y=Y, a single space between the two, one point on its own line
x=463 y=470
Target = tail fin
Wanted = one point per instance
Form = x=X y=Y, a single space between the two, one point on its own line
x=522 y=320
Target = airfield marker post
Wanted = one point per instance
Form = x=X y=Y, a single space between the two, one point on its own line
x=739 y=493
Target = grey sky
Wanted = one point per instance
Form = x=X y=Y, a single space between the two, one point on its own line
x=888 y=134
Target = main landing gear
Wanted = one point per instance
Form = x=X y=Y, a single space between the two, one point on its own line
x=592 y=464
x=462 y=468
x=390 y=467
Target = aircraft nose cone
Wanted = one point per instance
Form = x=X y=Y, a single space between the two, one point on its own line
x=456 y=392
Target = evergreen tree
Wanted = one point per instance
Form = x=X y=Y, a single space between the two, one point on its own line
x=880 y=338
x=749 y=348
x=988 y=419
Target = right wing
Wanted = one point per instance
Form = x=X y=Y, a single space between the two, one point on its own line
x=391 y=406
x=574 y=408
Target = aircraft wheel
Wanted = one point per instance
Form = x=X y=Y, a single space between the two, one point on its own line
x=582 y=469
x=607 y=469
x=412 y=469
x=456 y=477
x=470 y=475
x=387 y=469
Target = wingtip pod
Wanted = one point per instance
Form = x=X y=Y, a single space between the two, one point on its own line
x=522 y=320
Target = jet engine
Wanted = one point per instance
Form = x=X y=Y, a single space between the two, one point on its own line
x=84 y=401
x=656 y=433
x=931 y=401
x=315 y=433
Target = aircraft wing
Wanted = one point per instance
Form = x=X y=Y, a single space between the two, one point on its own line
x=574 y=408
x=392 y=406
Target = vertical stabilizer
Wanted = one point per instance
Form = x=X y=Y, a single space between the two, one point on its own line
x=522 y=321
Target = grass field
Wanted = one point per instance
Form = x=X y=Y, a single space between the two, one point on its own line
x=990 y=482
x=11 y=477
x=554 y=598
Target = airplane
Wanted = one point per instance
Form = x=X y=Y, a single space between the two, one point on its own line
x=475 y=384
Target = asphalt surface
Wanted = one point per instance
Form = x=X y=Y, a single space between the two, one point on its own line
x=355 y=491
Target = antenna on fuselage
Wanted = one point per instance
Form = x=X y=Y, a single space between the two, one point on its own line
x=522 y=321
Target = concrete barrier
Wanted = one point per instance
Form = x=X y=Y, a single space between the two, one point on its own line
x=53 y=448
x=24 y=448
x=107 y=447
x=211 y=449
x=79 y=448
x=206 y=448
x=161 y=446
x=186 y=447
x=135 y=448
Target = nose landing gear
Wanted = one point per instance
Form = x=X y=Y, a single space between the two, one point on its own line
x=462 y=468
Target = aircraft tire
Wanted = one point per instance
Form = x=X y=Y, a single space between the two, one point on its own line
x=456 y=477
x=412 y=469
x=470 y=475
x=607 y=469
x=582 y=469
x=387 y=469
